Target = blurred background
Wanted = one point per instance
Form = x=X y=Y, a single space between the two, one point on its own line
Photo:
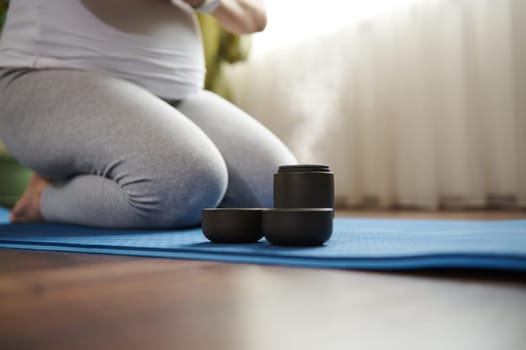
x=413 y=103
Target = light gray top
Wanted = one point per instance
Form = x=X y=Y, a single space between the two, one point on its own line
x=155 y=44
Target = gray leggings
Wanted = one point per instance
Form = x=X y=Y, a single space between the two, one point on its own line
x=121 y=157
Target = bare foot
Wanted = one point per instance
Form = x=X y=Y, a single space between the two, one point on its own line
x=27 y=209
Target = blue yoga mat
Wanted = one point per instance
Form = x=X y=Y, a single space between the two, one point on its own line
x=380 y=244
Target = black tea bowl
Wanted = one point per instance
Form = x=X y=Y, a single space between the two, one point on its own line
x=297 y=226
x=232 y=225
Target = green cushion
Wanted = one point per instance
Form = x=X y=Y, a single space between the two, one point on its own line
x=3 y=10
x=221 y=47
x=13 y=180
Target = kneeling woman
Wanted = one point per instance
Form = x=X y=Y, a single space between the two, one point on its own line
x=106 y=106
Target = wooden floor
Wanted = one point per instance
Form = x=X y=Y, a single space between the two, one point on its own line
x=80 y=301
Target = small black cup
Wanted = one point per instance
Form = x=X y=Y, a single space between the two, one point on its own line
x=304 y=186
x=232 y=225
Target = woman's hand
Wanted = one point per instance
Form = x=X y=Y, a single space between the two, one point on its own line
x=238 y=16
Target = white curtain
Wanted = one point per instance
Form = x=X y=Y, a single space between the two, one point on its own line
x=419 y=105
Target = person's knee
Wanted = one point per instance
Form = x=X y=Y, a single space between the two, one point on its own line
x=175 y=195
x=200 y=186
